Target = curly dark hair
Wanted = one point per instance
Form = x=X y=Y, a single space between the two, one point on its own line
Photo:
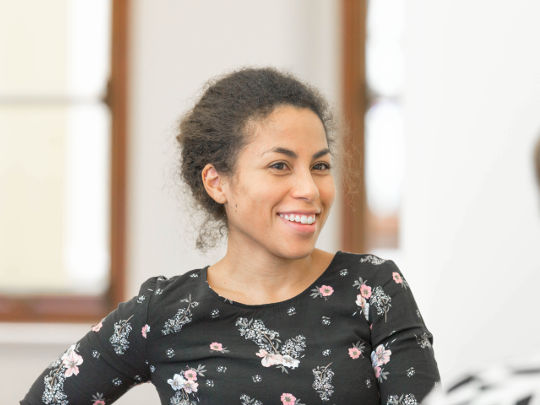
x=216 y=129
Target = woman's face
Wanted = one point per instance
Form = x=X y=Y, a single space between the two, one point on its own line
x=282 y=175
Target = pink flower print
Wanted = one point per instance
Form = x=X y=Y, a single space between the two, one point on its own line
x=323 y=291
x=365 y=291
x=354 y=352
x=97 y=399
x=190 y=386
x=287 y=399
x=145 y=329
x=397 y=277
x=380 y=356
x=326 y=290
x=97 y=327
x=190 y=374
x=216 y=346
x=363 y=304
x=180 y=383
x=360 y=301
x=377 y=371
x=71 y=360
x=357 y=350
x=269 y=359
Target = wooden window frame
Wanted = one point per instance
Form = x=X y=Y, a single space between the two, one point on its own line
x=362 y=231
x=84 y=308
x=354 y=102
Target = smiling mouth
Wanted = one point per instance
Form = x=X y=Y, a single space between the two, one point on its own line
x=299 y=218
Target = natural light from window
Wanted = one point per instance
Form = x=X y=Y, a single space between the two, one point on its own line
x=54 y=146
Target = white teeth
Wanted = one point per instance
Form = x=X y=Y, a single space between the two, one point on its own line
x=303 y=219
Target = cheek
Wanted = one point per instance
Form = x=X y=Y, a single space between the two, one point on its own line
x=259 y=197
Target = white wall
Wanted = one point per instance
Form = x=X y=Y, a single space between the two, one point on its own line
x=175 y=47
x=471 y=218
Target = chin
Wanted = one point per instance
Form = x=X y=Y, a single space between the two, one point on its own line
x=296 y=252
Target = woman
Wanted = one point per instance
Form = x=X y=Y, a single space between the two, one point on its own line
x=275 y=321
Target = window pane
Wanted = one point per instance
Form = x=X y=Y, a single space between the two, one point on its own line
x=384 y=67
x=385 y=19
x=53 y=48
x=384 y=126
x=384 y=158
x=54 y=199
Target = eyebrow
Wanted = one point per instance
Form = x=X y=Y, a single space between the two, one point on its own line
x=292 y=154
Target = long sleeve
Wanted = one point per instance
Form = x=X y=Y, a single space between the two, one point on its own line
x=402 y=356
x=105 y=363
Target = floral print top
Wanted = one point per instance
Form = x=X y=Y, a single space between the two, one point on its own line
x=354 y=336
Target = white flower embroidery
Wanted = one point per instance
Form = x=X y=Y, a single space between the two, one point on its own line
x=183 y=316
x=62 y=368
x=372 y=259
x=185 y=384
x=271 y=351
x=247 y=400
x=323 y=381
x=408 y=399
x=119 y=339
x=177 y=382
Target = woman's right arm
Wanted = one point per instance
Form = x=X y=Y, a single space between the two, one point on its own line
x=105 y=363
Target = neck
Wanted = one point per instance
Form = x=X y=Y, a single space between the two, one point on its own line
x=259 y=274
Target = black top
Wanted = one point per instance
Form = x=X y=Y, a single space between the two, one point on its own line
x=354 y=336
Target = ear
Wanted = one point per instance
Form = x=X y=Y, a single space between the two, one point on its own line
x=214 y=184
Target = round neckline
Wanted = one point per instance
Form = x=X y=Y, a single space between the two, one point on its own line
x=204 y=278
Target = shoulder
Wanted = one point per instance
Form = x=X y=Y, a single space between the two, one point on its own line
x=370 y=266
x=165 y=295
x=363 y=258
x=163 y=288
x=163 y=284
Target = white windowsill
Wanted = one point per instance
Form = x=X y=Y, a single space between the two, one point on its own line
x=42 y=333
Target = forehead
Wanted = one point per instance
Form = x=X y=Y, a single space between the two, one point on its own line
x=287 y=126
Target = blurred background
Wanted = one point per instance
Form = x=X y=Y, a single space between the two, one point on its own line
x=439 y=102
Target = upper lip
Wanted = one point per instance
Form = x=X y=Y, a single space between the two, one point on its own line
x=300 y=212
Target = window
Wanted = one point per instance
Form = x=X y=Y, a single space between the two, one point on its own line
x=384 y=141
x=372 y=85
x=62 y=147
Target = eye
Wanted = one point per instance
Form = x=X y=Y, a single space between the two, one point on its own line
x=322 y=166
x=278 y=165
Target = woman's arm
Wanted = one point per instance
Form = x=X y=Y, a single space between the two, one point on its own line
x=105 y=363
x=402 y=356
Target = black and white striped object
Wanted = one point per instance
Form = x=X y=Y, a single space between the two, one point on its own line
x=501 y=385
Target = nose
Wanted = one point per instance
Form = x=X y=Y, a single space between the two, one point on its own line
x=304 y=186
